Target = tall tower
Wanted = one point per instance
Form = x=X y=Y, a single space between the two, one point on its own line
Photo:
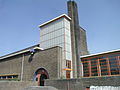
x=56 y=32
x=77 y=39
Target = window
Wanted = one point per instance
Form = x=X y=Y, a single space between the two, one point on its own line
x=107 y=64
x=68 y=64
x=68 y=56
x=67 y=47
x=67 y=74
x=86 y=69
x=8 y=77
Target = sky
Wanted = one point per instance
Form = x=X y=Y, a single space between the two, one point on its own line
x=19 y=20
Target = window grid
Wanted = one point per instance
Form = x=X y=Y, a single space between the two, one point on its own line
x=50 y=32
x=55 y=33
x=52 y=38
x=101 y=66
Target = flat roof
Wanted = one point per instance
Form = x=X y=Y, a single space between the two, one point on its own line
x=21 y=51
x=54 y=19
x=100 y=53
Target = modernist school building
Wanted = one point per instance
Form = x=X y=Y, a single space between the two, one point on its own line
x=62 y=41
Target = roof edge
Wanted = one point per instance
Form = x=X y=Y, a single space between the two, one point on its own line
x=99 y=53
x=21 y=51
x=54 y=19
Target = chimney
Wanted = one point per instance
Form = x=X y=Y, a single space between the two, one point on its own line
x=75 y=39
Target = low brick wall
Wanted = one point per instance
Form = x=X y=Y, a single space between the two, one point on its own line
x=64 y=84
x=82 y=83
x=15 y=85
x=40 y=88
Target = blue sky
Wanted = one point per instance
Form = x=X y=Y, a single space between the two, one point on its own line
x=19 y=20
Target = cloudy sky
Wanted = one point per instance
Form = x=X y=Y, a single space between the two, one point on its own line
x=19 y=20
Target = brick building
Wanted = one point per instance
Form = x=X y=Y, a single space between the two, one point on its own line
x=62 y=53
x=62 y=41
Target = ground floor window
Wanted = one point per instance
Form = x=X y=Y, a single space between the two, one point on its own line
x=9 y=77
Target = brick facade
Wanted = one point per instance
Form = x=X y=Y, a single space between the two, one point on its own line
x=49 y=59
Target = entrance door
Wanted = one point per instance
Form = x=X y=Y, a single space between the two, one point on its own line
x=40 y=76
x=68 y=74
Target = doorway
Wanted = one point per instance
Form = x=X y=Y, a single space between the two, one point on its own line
x=42 y=78
x=40 y=75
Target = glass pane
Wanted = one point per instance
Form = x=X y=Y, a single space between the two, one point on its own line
x=68 y=56
x=67 y=47
x=86 y=69
x=67 y=32
x=68 y=40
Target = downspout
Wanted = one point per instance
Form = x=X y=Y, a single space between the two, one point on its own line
x=22 y=67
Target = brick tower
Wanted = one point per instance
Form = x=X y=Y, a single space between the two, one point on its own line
x=78 y=36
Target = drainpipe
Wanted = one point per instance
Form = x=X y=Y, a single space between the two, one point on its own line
x=22 y=68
